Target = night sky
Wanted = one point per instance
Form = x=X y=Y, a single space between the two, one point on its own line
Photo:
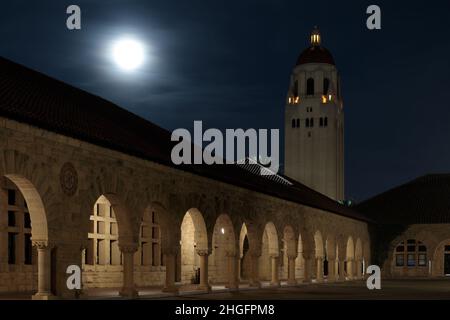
x=228 y=64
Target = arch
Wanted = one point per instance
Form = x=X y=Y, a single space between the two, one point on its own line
x=269 y=249
x=194 y=238
x=350 y=249
x=38 y=216
x=439 y=263
x=310 y=87
x=223 y=246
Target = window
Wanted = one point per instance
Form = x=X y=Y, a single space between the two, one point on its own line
x=326 y=122
x=103 y=240
x=11 y=219
x=413 y=252
x=298 y=123
x=28 y=249
x=326 y=85
x=150 y=240
x=26 y=220
x=422 y=259
x=307 y=123
x=12 y=248
x=411 y=260
x=310 y=87
x=399 y=262
x=293 y=123
x=311 y=122
x=295 y=89
x=321 y=122
x=11 y=197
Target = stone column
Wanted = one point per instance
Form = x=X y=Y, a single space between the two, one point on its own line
x=233 y=277
x=319 y=275
x=204 y=281
x=308 y=270
x=341 y=270
x=129 y=287
x=291 y=271
x=350 y=268
x=331 y=270
x=275 y=281
x=254 y=277
x=44 y=271
x=169 y=285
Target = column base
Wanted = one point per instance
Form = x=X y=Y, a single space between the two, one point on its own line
x=319 y=280
x=292 y=282
x=275 y=284
x=204 y=288
x=128 y=293
x=255 y=284
x=170 y=289
x=43 y=296
x=232 y=287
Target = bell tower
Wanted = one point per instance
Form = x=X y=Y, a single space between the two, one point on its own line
x=314 y=122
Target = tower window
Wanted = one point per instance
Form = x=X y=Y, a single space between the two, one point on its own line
x=307 y=123
x=298 y=123
x=326 y=86
x=325 y=122
x=321 y=122
x=293 y=123
x=311 y=122
x=295 y=89
x=310 y=87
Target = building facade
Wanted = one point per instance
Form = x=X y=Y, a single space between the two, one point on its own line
x=86 y=183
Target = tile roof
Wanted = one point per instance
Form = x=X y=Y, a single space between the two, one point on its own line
x=423 y=200
x=31 y=97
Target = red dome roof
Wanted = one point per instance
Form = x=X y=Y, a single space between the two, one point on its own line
x=315 y=54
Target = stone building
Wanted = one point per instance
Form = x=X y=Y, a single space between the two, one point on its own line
x=412 y=234
x=87 y=183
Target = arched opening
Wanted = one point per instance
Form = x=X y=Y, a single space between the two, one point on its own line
x=245 y=267
x=349 y=258
x=102 y=258
x=269 y=251
x=319 y=255
x=194 y=240
x=310 y=87
x=440 y=265
x=223 y=245
x=24 y=223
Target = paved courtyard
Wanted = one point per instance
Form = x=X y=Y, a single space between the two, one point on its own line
x=390 y=289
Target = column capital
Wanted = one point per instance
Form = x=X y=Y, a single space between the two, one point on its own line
x=291 y=256
x=203 y=252
x=40 y=244
x=128 y=248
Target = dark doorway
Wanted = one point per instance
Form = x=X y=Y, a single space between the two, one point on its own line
x=447 y=263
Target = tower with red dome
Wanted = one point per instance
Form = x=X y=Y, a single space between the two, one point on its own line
x=314 y=122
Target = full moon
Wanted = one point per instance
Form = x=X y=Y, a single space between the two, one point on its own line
x=128 y=54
